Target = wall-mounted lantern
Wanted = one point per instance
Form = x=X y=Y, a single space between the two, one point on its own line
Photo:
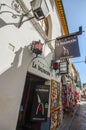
x=60 y=67
x=55 y=65
x=40 y=9
x=37 y=47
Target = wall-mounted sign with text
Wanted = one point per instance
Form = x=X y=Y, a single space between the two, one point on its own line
x=66 y=47
x=40 y=67
x=63 y=67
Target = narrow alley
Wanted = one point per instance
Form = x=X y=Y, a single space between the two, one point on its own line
x=79 y=122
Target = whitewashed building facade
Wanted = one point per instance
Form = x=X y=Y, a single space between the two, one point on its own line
x=17 y=59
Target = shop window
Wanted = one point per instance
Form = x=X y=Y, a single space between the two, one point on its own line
x=35 y=93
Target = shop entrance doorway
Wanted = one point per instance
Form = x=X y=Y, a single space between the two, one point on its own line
x=24 y=118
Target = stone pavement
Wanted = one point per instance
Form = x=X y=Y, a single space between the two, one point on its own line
x=79 y=122
x=67 y=121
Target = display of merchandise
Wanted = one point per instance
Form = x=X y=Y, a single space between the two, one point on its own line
x=55 y=105
x=68 y=98
x=77 y=98
x=55 y=120
x=61 y=108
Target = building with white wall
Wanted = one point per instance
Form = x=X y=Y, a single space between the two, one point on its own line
x=17 y=59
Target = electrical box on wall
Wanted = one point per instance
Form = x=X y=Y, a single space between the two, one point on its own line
x=40 y=9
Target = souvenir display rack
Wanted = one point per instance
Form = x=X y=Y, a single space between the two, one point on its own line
x=55 y=105
x=68 y=98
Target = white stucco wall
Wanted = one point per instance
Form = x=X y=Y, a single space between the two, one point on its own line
x=14 y=65
x=11 y=88
x=13 y=68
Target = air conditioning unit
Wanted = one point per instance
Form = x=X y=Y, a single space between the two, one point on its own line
x=40 y=9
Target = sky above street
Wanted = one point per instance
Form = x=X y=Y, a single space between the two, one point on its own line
x=75 y=11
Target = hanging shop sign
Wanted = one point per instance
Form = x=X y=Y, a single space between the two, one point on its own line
x=39 y=111
x=39 y=67
x=62 y=67
x=66 y=47
x=78 y=84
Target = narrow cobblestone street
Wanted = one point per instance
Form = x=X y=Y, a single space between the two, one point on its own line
x=79 y=122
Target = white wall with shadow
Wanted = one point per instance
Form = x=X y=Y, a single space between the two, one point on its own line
x=11 y=89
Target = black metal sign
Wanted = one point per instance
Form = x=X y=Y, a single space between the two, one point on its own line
x=40 y=103
x=66 y=47
x=63 y=67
